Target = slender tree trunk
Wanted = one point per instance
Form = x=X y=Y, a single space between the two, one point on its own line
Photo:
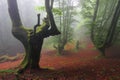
x=77 y=45
x=60 y=49
x=94 y=18
x=54 y=29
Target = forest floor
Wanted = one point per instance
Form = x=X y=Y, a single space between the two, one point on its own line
x=79 y=65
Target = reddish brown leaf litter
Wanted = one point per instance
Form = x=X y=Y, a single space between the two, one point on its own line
x=81 y=65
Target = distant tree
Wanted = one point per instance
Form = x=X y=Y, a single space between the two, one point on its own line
x=65 y=20
x=32 y=39
x=77 y=45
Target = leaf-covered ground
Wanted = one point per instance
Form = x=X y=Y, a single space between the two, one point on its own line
x=81 y=65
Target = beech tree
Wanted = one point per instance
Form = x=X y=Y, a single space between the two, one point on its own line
x=32 y=39
x=65 y=21
x=104 y=28
x=104 y=20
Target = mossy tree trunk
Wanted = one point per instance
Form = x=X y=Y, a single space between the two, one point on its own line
x=94 y=19
x=111 y=32
x=100 y=42
x=31 y=39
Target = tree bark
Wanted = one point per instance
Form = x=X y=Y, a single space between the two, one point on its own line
x=102 y=50
x=54 y=29
x=31 y=42
x=111 y=32
x=94 y=18
x=113 y=25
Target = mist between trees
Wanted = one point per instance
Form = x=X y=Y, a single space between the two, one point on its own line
x=10 y=45
x=78 y=20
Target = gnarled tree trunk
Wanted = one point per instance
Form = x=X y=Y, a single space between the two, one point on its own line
x=31 y=42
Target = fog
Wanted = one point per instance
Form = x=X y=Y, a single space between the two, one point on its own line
x=8 y=44
x=28 y=14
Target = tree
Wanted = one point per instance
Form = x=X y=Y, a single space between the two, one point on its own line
x=88 y=15
x=103 y=34
x=94 y=17
x=65 y=20
x=32 y=39
x=103 y=18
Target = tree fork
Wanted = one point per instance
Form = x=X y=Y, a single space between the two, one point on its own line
x=54 y=29
x=32 y=43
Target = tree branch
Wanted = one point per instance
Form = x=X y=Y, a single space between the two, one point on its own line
x=53 y=30
x=13 y=12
